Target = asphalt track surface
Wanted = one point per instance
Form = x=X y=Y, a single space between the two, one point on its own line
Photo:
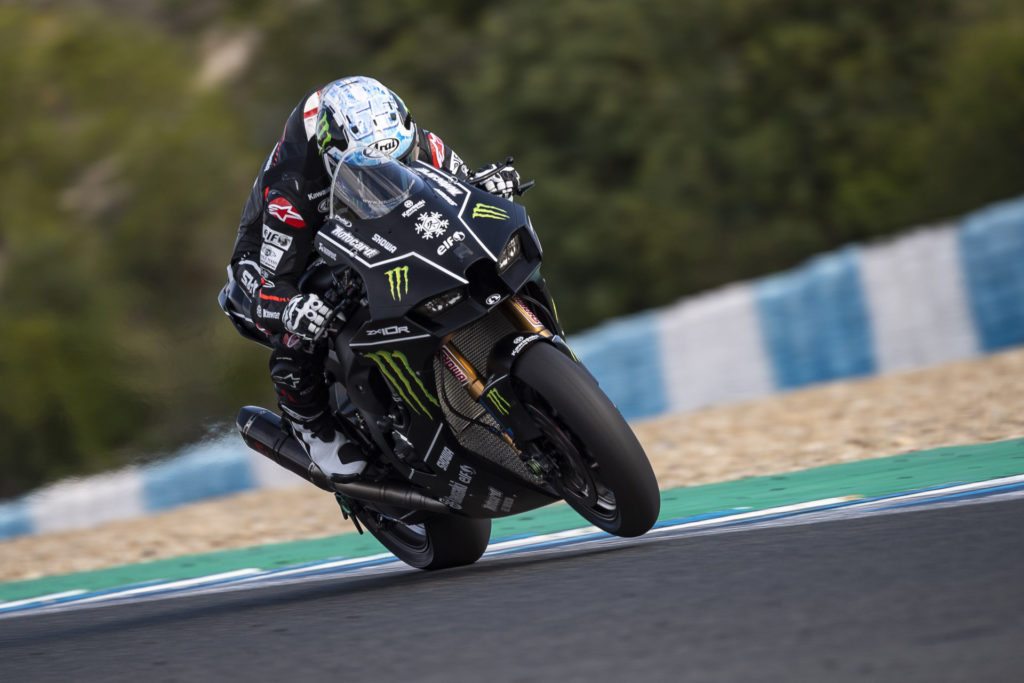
x=917 y=595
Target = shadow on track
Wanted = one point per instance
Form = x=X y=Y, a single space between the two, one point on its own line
x=167 y=612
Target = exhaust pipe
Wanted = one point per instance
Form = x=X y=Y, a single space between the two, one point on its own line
x=262 y=431
x=392 y=495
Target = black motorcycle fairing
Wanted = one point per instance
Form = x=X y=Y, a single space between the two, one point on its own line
x=425 y=247
x=390 y=381
x=447 y=235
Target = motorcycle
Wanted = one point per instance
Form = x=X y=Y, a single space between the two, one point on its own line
x=449 y=367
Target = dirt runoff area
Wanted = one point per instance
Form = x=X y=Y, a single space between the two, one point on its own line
x=961 y=403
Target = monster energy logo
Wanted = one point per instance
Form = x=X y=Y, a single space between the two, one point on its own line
x=498 y=401
x=398 y=281
x=396 y=369
x=488 y=211
x=323 y=132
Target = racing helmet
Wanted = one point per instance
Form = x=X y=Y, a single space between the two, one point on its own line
x=360 y=113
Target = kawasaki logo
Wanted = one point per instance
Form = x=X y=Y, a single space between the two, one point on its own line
x=399 y=374
x=488 y=211
x=498 y=401
x=398 y=281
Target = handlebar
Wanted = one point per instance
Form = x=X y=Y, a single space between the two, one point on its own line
x=520 y=188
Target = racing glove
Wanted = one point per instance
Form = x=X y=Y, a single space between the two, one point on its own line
x=502 y=184
x=305 y=316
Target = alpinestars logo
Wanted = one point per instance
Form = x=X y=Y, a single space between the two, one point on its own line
x=436 y=149
x=398 y=282
x=488 y=211
x=431 y=225
x=282 y=210
x=290 y=380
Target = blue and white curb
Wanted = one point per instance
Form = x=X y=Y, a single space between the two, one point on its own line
x=839 y=506
x=212 y=469
x=932 y=295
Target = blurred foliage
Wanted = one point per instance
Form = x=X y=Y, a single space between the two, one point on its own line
x=678 y=147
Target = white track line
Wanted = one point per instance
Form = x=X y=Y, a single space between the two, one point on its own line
x=808 y=512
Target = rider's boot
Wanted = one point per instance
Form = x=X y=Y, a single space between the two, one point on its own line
x=302 y=396
x=328 y=447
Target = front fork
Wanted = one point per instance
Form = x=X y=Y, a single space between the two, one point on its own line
x=497 y=394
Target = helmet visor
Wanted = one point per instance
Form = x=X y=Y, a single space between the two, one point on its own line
x=369 y=183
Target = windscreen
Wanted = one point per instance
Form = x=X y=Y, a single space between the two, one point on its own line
x=371 y=184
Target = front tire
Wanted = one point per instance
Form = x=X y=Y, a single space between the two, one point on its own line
x=603 y=471
x=437 y=543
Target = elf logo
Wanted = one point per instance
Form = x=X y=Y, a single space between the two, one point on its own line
x=450 y=241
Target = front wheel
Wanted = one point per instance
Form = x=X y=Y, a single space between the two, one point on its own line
x=602 y=470
x=437 y=543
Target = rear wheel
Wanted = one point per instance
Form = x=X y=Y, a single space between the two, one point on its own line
x=602 y=470
x=439 y=542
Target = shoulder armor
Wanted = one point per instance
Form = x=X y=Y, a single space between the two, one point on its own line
x=309 y=109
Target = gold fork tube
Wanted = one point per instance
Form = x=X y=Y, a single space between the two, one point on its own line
x=467 y=376
x=521 y=314
x=461 y=368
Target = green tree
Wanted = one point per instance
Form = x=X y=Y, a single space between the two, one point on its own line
x=106 y=241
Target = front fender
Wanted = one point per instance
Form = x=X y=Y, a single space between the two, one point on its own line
x=508 y=350
x=499 y=396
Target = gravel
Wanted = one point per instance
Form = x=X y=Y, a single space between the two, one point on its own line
x=967 y=402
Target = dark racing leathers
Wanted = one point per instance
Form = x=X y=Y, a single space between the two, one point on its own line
x=286 y=208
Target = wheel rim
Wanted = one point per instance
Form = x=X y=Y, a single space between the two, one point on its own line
x=412 y=536
x=579 y=476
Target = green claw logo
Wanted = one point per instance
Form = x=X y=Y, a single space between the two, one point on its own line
x=498 y=401
x=398 y=282
x=396 y=369
x=488 y=211
x=323 y=132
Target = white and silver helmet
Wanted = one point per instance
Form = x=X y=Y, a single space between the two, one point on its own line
x=360 y=113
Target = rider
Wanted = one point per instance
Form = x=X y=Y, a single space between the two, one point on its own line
x=289 y=203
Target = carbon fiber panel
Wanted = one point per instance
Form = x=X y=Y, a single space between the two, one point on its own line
x=475 y=343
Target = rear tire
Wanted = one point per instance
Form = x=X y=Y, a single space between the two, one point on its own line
x=603 y=470
x=439 y=542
